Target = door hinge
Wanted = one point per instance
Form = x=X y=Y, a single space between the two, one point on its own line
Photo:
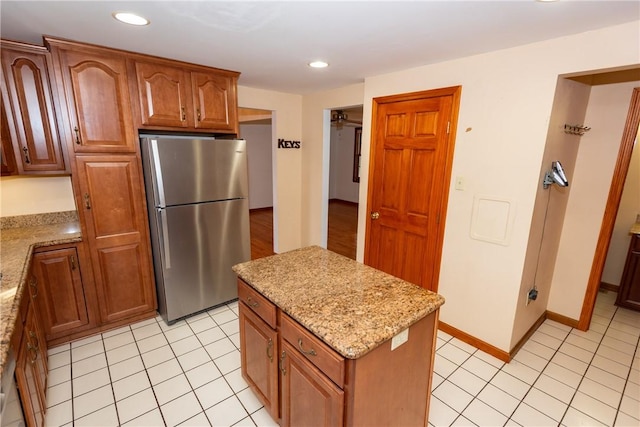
x=448 y=127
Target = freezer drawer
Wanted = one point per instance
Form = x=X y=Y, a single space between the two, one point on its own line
x=197 y=246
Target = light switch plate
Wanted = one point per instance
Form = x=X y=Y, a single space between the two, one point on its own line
x=460 y=183
x=399 y=339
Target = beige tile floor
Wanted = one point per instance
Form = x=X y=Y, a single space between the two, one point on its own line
x=151 y=374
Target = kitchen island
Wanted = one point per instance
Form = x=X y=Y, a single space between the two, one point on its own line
x=326 y=340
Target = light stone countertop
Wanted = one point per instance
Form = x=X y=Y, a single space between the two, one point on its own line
x=16 y=249
x=635 y=228
x=350 y=306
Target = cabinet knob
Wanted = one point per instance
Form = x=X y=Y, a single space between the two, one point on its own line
x=26 y=155
x=77 y=131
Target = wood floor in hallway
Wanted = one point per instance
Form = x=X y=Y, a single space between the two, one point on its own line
x=342 y=232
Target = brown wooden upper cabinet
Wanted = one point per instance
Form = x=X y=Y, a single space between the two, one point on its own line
x=96 y=90
x=30 y=109
x=174 y=95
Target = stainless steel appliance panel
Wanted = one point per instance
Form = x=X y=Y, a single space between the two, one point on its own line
x=198 y=245
x=196 y=169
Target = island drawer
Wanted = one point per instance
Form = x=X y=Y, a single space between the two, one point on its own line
x=257 y=303
x=313 y=349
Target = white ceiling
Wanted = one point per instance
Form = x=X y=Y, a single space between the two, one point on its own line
x=271 y=42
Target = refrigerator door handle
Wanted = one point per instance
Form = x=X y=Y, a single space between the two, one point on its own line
x=164 y=235
x=157 y=172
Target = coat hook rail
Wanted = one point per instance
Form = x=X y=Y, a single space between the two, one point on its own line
x=576 y=129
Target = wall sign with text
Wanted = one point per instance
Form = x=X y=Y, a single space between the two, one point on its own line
x=283 y=143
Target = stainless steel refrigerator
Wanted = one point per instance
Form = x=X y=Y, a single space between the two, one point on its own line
x=197 y=189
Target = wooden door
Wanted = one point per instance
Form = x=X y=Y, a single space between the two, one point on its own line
x=62 y=303
x=214 y=101
x=114 y=212
x=309 y=398
x=411 y=156
x=26 y=86
x=163 y=93
x=97 y=93
x=259 y=353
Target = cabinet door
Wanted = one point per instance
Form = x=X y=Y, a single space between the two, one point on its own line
x=26 y=87
x=629 y=292
x=259 y=358
x=309 y=398
x=9 y=166
x=113 y=208
x=62 y=303
x=214 y=101
x=97 y=93
x=27 y=377
x=163 y=93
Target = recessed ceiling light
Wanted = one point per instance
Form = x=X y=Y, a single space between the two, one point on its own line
x=130 y=18
x=318 y=64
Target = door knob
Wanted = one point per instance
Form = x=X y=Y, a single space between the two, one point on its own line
x=375 y=215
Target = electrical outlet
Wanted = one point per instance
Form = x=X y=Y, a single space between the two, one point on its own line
x=532 y=295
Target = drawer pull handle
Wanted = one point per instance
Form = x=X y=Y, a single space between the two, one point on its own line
x=34 y=353
x=199 y=115
x=270 y=350
x=311 y=352
x=87 y=201
x=73 y=262
x=184 y=116
x=26 y=155
x=252 y=303
x=33 y=336
x=282 y=368
x=77 y=131
x=34 y=286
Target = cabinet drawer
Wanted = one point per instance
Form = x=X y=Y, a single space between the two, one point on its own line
x=635 y=242
x=313 y=349
x=256 y=302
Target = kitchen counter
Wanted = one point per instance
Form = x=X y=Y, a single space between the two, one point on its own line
x=635 y=228
x=350 y=306
x=20 y=235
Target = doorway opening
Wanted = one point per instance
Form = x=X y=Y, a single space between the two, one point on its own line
x=344 y=180
x=256 y=127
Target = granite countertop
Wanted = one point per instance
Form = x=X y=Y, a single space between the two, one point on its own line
x=19 y=236
x=635 y=228
x=350 y=306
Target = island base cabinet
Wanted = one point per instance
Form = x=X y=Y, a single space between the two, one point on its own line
x=309 y=398
x=259 y=358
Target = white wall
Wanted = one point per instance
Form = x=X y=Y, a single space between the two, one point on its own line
x=315 y=158
x=341 y=185
x=25 y=195
x=597 y=155
x=287 y=163
x=569 y=106
x=259 y=159
x=504 y=117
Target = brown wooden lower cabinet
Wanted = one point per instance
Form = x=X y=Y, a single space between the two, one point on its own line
x=629 y=291
x=31 y=363
x=61 y=298
x=318 y=386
